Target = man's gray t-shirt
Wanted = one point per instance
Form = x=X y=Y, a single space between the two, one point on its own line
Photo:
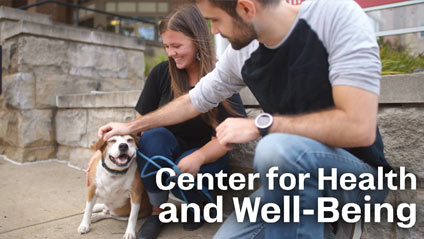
x=330 y=43
x=342 y=29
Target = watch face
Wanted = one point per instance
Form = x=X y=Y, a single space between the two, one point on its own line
x=264 y=121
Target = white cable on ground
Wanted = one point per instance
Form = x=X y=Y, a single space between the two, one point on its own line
x=41 y=162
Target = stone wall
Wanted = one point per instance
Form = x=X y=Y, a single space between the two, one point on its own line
x=40 y=61
x=87 y=113
x=400 y=119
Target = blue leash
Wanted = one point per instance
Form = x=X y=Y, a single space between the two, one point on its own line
x=169 y=179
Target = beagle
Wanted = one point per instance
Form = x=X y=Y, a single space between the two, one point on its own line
x=114 y=179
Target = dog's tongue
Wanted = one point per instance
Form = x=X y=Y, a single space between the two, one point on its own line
x=123 y=159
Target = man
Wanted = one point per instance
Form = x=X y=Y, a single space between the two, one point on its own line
x=315 y=69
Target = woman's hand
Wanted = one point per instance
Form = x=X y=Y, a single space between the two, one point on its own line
x=191 y=164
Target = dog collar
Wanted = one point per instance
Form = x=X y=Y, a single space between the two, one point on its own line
x=112 y=171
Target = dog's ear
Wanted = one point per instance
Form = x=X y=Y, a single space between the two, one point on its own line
x=99 y=145
x=136 y=138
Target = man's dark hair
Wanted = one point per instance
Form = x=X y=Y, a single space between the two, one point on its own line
x=229 y=6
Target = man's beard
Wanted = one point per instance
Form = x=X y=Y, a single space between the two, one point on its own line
x=244 y=34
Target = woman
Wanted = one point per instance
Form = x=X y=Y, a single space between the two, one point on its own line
x=191 y=144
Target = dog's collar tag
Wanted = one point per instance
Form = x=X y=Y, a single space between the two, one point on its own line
x=112 y=171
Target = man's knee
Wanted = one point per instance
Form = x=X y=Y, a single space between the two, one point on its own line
x=281 y=150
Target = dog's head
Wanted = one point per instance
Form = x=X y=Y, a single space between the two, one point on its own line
x=119 y=152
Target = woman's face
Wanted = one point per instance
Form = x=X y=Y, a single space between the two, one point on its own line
x=180 y=48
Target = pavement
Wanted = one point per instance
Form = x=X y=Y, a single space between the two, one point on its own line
x=46 y=200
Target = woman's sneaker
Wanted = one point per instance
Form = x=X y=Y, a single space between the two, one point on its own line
x=150 y=228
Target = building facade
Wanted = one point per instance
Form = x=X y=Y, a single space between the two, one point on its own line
x=149 y=12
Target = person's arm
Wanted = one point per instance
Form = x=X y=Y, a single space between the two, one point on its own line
x=176 y=111
x=209 y=153
x=351 y=123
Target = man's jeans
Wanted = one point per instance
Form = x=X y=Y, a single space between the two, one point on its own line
x=296 y=155
x=161 y=141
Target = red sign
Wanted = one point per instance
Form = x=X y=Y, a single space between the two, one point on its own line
x=373 y=3
x=362 y=3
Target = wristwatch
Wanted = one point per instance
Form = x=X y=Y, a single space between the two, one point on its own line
x=263 y=122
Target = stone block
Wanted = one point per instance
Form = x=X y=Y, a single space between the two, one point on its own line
x=81 y=56
x=63 y=152
x=375 y=230
x=29 y=128
x=383 y=229
x=412 y=196
x=76 y=156
x=136 y=64
x=79 y=157
x=30 y=154
x=111 y=62
x=36 y=128
x=9 y=127
x=10 y=57
x=100 y=117
x=36 y=51
x=402 y=129
x=19 y=91
x=48 y=86
x=116 y=84
x=115 y=99
x=4 y=120
x=71 y=127
x=2 y=103
x=17 y=14
x=97 y=61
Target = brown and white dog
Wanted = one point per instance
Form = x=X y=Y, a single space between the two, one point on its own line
x=114 y=179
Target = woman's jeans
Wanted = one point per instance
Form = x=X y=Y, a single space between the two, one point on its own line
x=161 y=141
x=296 y=155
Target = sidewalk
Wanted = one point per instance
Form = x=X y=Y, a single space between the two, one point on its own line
x=46 y=200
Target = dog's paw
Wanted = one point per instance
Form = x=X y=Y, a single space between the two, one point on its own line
x=83 y=228
x=129 y=235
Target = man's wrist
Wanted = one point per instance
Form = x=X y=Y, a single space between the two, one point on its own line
x=132 y=127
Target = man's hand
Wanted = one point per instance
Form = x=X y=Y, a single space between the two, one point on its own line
x=190 y=164
x=236 y=130
x=112 y=129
